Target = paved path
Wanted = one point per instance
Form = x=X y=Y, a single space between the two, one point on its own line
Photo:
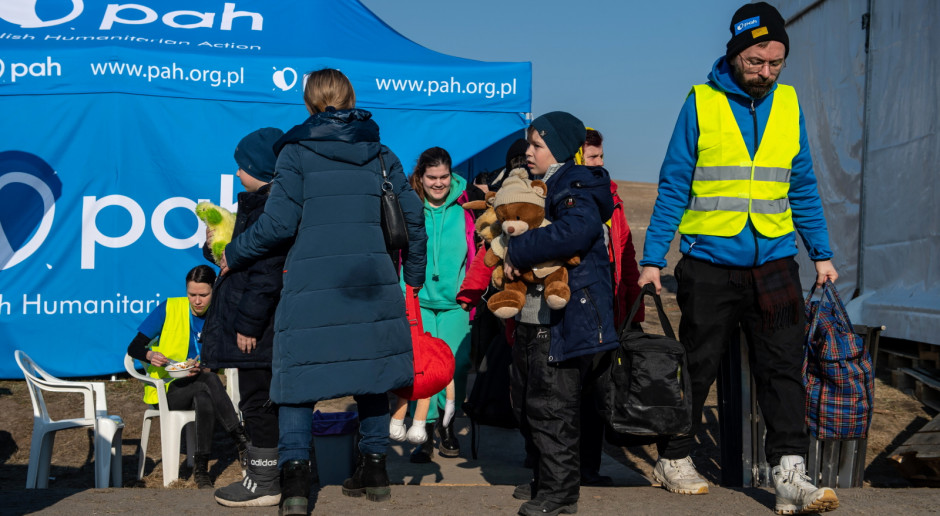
x=463 y=486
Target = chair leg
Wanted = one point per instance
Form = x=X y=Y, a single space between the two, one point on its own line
x=117 y=458
x=170 y=441
x=142 y=455
x=44 y=461
x=107 y=436
x=35 y=454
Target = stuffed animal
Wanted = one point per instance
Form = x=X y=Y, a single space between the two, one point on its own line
x=221 y=223
x=520 y=206
x=417 y=434
x=487 y=227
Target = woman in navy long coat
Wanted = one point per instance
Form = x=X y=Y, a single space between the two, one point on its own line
x=340 y=326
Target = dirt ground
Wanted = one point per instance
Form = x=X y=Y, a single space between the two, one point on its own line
x=897 y=416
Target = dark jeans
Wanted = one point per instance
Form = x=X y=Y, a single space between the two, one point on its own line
x=205 y=394
x=259 y=412
x=713 y=310
x=547 y=401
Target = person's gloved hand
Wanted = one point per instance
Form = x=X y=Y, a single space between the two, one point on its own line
x=417 y=433
x=396 y=430
x=450 y=407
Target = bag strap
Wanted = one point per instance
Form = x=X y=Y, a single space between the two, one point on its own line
x=649 y=290
x=413 y=310
x=386 y=184
x=830 y=292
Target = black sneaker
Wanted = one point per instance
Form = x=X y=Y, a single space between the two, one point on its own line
x=547 y=508
x=449 y=445
x=524 y=491
x=593 y=478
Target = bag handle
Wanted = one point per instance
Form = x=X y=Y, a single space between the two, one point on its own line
x=649 y=290
x=830 y=292
x=413 y=310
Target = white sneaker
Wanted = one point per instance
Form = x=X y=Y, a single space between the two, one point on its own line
x=795 y=491
x=679 y=476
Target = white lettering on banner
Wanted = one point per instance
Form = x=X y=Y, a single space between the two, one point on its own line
x=4 y=305
x=169 y=19
x=37 y=69
x=145 y=15
x=91 y=206
x=90 y=233
x=119 y=305
x=48 y=209
x=158 y=219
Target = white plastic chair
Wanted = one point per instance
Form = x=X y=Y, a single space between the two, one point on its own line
x=172 y=423
x=108 y=429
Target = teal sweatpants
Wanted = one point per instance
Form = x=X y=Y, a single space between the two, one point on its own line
x=453 y=326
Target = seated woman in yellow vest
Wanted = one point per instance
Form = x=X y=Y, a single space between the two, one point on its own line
x=171 y=333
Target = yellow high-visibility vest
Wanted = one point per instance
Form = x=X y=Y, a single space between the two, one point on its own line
x=173 y=342
x=727 y=186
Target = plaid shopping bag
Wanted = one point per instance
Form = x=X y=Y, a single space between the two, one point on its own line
x=837 y=371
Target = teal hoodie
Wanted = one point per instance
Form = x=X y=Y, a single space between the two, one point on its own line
x=447 y=250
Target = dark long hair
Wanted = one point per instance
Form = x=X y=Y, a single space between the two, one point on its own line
x=433 y=157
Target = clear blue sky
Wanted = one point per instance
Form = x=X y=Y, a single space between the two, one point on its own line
x=623 y=67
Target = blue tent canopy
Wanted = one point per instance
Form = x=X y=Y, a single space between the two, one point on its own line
x=118 y=118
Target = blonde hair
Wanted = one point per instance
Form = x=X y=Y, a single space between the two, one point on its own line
x=328 y=87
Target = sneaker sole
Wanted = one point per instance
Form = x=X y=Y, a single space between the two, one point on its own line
x=825 y=503
x=450 y=454
x=355 y=493
x=566 y=509
x=678 y=490
x=261 y=501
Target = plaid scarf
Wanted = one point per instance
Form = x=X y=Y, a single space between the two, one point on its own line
x=778 y=296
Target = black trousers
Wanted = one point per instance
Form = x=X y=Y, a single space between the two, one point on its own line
x=205 y=394
x=713 y=310
x=259 y=412
x=547 y=401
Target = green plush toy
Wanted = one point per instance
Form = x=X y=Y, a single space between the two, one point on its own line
x=221 y=222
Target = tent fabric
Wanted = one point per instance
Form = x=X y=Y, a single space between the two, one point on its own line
x=867 y=75
x=114 y=129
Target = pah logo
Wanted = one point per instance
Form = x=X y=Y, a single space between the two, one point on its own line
x=281 y=78
x=32 y=188
x=23 y=13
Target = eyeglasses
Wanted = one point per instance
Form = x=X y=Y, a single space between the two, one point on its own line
x=754 y=65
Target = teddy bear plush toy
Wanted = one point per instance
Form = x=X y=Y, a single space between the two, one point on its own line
x=520 y=205
x=487 y=227
x=221 y=223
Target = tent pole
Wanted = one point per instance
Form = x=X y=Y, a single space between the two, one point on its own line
x=866 y=132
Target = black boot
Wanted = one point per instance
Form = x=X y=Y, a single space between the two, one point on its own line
x=422 y=454
x=201 y=472
x=261 y=487
x=240 y=436
x=449 y=446
x=370 y=478
x=295 y=487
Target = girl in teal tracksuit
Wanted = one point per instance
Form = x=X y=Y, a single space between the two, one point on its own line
x=450 y=251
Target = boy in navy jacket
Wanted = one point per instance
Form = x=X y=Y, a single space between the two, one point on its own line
x=558 y=354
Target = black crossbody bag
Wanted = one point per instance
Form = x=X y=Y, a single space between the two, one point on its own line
x=393 y=221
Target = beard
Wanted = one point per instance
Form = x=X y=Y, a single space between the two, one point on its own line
x=755 y=87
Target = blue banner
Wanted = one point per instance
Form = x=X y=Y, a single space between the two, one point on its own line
x=106 y=145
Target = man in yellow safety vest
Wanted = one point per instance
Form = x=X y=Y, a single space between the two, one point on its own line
x=737 y=183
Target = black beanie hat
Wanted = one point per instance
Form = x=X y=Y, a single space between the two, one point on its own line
x=754 y=23
x=255 y=153
x=518 y=148
x=563 y=134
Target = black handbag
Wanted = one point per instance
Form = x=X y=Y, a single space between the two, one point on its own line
x=647 y=390
x=393 y=222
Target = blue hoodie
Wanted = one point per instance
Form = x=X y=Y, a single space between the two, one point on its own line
x=748 y=248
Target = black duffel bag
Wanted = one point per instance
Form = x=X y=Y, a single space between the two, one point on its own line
x=647 y=391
